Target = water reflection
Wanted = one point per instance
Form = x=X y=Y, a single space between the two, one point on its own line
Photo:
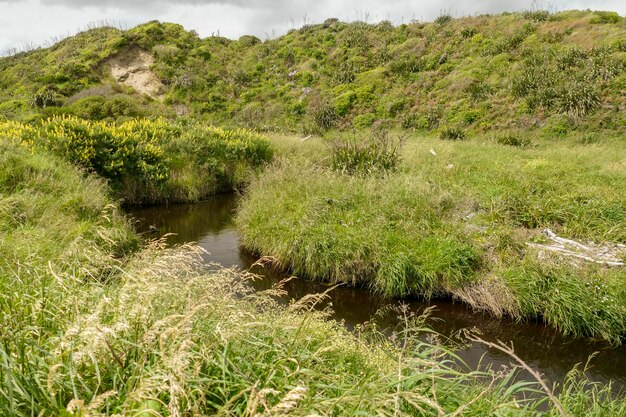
x=210 y=224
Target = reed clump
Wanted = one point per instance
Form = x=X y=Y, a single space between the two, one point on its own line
x=376 y=153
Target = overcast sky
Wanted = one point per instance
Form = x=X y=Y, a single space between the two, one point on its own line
x=37 y=21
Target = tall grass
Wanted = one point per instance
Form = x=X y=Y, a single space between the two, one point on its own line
x=169 y=339
x=61 y=240
x=50 y=212
x=452 y=133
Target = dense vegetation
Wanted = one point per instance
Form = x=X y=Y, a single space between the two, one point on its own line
x=453 y=219
x=511 y=124
x=150 y=161
x=552 y=73
x=90 y=329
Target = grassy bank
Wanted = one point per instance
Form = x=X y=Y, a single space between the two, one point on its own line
x=150 y=161
x=456 y=218
x=51 y=212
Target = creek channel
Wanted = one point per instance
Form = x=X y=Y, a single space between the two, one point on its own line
x=210 y=224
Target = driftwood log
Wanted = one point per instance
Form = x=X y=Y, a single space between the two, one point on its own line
x=605 y=255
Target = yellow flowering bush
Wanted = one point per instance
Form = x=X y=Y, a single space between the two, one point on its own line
x=149 y=160
x=111 y=151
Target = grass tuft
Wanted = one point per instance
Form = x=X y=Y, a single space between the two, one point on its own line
x=452 y=133
x=516 y=139
x=376 y=153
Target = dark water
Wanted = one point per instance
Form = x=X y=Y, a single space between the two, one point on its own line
x=210 y=224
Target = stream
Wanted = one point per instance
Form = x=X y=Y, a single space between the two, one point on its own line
x=210 y=224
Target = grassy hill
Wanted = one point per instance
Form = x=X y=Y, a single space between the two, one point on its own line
x=548 y=73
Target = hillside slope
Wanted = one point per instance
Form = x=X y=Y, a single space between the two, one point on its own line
x=534 y=70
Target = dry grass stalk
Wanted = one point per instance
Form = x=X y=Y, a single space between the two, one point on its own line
x=502 y=347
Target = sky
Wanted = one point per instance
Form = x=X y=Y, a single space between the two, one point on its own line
x=37 y=22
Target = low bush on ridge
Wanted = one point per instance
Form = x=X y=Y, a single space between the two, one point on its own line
x=150 y=161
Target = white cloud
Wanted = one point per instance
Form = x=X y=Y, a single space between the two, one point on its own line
x=36 y=21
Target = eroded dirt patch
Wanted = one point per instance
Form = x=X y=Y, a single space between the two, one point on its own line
x=131 y=67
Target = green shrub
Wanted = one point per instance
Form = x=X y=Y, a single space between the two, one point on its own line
x=344 y=102
x=470 y=116
x=601 y=17
x=571 y=57
x=479 y=90
x=589 y=138
x=355 y=35
x=344 y=73
x=323 y=114
x=99 y=108
x=202 y=52
x=325 y=117
x=558 y=126
x=330 y=22
x=452 y=133
x=433 y=116
x=604 y=64
x=409 y=121
x=170 y=54
x=406 y=64
x=396 y=106
x=553 y=36
x=249 y=40
x=565 y=83
x=12 y=108
x=467 y=33
x=46 y=97
x=442 y=19
x=364 y=120
x=150 y=161
x=619 y=45
x=115 y=153
x=580 y=98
